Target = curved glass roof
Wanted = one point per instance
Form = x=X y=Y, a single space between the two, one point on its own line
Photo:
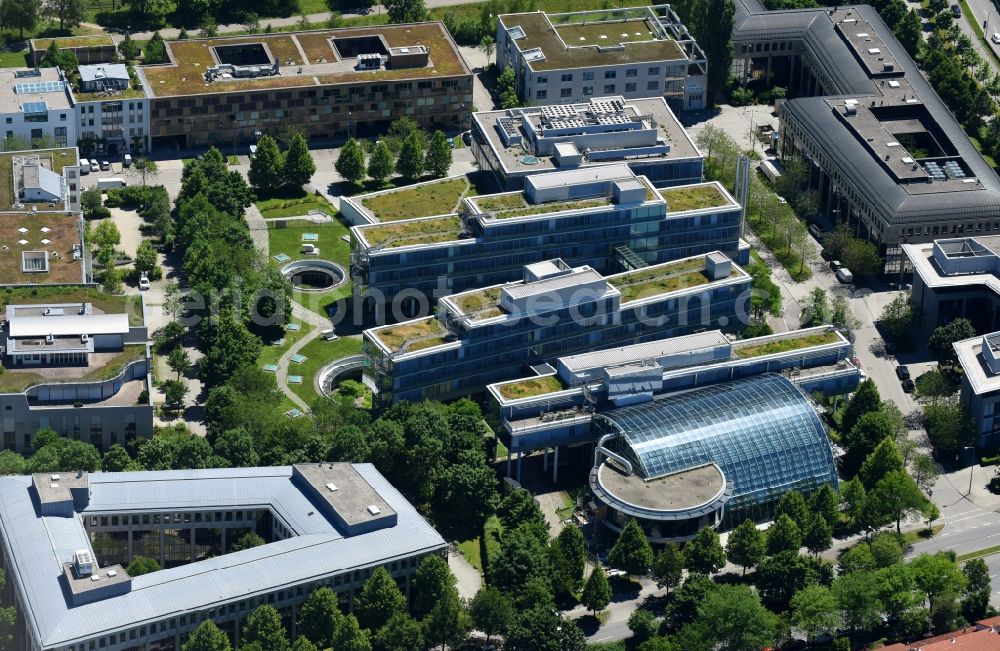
x=761 y=431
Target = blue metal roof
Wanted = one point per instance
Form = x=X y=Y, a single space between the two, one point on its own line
x=761 y=431
x=40 y=545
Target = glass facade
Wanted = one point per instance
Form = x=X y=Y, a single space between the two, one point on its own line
x=761 y=431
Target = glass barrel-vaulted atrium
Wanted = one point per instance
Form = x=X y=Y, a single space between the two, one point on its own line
x=710 y=456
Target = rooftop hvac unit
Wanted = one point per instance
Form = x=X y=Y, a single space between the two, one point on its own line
x=374 y=510
x=49 y=339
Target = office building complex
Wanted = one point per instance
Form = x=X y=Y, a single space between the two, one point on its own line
x=885 y=153
x=36 y=107
x=643 y=133
x=328 y=83
x=980 y=393
x=556 y=405
x=80 y=368
x=633 y=52
x=67 y=537
x=957 y=278
x=605 y=217
x=496 y=333
x=713 y=456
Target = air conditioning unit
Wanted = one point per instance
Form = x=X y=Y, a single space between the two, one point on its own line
x=84 y=339
x=49 y=339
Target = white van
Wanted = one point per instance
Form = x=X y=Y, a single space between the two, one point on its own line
x=111 y=183
x=127 y=160
x=84 y=167
x=845 y=276
x=95 y=166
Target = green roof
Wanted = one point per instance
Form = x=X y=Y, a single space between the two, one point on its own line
x=408 y=233
x=529 y=387
x=795 y=341
x=660 y=279
x=481 y=303
x=694 y=197
x=424 y=200
x=15 y=381
x=412 y=336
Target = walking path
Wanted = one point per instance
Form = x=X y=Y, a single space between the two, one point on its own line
x=258 y=229
x=318 y=324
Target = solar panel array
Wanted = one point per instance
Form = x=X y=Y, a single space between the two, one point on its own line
x=38 y=87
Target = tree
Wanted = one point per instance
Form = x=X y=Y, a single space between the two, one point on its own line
x=401 y=633
x=405 y=11
x=826 y=503
x=19 y=14
x=12 y=463
x=465 y=497
x=146 y=7
x=379 y=600
x=936 y=575
x=897 y=495
x=105 y=238
x=704 y=554
x=643 y=625
x=266 y=167
x=155 y=50
x=349 y=636
x=351 y=161
x=861 y=257
x=713 y=27
x=447 y=623
x=207 y=637
x=668 y=566
x=69 y=13
x=898 y=316
x=737 y=619
x=487 y=45
x=861 y=441
x=178 y=361
x=145 y=257
x=518 y=509
x=569 y=560
x=438 y=160
x=410 y=164
x=949 y=428
x=301 y=643
x=111 y=280
x=264 y=627
x=933 y=386
x=128 y=49
x=865 y=400
x=145 y=168
x=792 y=504
x=141 y=565
x=884 y=459
x=817 y=535
x=542 y=629
x=236 y=447
x=431 y=583
x=247 y=541
x=814 y=610
x=857 y=597
x=117 y=459
x=745 y=546
x=943 y=337
x=596 y=591
x=784 y=535
x=909 y=32
x=631 y=553
x=318 y=616
x=522 y=556
x=381 y=163
x=231 y=347
x=507 y=89
x=174 y=392
x=492 y=611
x=976 y=601
x=299 y=165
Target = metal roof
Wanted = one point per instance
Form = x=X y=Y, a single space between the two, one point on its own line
x=39 y=545
x=68 y=325
x=639 y=352
x=103 y=71
x=581 y=175
x=37 y=177
x=761 y=431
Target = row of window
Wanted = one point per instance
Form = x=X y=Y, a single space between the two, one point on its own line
x=168 y=518
x=568 y=77
x=609 y=89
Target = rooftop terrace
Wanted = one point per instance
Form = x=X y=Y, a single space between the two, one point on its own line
x=411 y=336
x=103 y=366
x=305 y=58
x=559 y=40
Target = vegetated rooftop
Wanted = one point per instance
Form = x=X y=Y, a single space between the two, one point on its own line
x=409 y=233
x=54 y=159
x=93 y=40
x=694 y=197
x=785 y=344
x=129 y=93
x=17 y=380
x=412 y=336
x=424 y=200
x=321 y=67
x=63 y=233
x=561 y=51
x=509 y=206
x=529 y=387
x=480 y=303
x=660 y=279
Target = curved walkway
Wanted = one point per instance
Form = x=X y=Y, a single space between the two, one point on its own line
x=318 y=324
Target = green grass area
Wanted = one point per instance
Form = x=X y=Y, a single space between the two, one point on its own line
x=484 y=303
x=694 y=197
x=533 y=386
x=270 y=354
x=979 y=553
x=18 y=59
x=472 y=550
x=318 y=352
x=409 y=233
x=785 y=345
x=658 y=280
x=17 y=381
x=131 y=305
x=425 y=200
x=501 y=449
x=911 y=537
x=293 y=207
x=93 y=40
x=511 y=205
x=288 y=240
x=498 y=202
x=417 y=334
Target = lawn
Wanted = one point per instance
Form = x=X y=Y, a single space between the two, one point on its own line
x=473 y=551
x=786 y=344
x=270 y=354
x=10 y=59
x=288 y=240
x=17 y=381
x=426 y=200
x=911 y=537
x=318 y=352
x=534 y=386
x=294 y=206
x=483 y=303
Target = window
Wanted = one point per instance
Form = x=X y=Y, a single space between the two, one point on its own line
x=588 y=90
x=566 y=92
x=632 y=72
x=653 y=85
x=654 y=71
x=62 y=117
x=541 y=94
x=10 y=120
x=567 y=77
x=610 y=74
x=609 y=89
x=588 y=76
x=542 y=79
x=630 y=87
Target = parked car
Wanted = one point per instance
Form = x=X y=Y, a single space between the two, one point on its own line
x=112 y=183
x=328 y=335
x=143 y=282
x=127 y=160
x=845 y=276
x=903 y=372
x=467 y=137
x=956 y=11
x=94 y=165
x=84 y=167
x=835 y=265
x=908 y=386
x=105 y=165
x=995 y=38
x=815 y=230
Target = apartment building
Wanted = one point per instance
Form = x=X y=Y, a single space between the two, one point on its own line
x=634 y=52
x=328 y=83
x=643 y=133
x=605 y=217
x=495 y=333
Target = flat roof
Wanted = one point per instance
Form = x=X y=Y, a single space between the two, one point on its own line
x=513 y=159
x=305 y=60
x=678 y=491
x=922 y=258
x=19 y=86
x=970 y=356
x=639 y=352
x=40 y=545
x=560 y=44
x=91 y=40
x=346 y=491
x=67 y=325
